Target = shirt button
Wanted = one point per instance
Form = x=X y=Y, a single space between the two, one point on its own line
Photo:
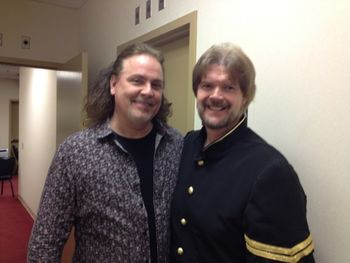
x=180 y=251
x=190 y=190
x=200 y=162
x=183 y=221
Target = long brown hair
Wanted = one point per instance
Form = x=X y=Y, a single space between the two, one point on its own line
x=99 y=104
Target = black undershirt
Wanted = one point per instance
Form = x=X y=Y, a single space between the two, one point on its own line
x=142 y=151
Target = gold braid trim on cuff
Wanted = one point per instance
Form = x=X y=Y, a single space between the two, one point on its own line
x=290 y=255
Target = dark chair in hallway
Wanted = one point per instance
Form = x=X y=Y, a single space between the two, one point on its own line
x=7 y=166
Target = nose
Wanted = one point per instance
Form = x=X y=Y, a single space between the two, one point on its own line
x=147 y=89
x=216 y=93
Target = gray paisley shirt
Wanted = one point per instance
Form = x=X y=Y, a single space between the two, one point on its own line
x=94 y=186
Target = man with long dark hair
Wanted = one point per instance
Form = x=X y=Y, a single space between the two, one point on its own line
x=114 y=180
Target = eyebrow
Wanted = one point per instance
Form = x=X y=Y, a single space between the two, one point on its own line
x=143 y=77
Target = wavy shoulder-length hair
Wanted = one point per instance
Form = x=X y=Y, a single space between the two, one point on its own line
x=99 y=105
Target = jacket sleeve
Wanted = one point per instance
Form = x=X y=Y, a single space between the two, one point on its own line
x=276 y=228
x=56 y=213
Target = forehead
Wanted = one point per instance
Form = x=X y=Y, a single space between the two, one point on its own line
x=218 y=73
x=141 y=63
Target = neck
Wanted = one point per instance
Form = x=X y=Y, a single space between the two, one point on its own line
x=130 y=130
x=214 y=135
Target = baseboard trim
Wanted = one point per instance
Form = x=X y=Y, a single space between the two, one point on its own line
x=26 y=207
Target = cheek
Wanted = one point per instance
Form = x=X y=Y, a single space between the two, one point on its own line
x=158 y=96
x=200 y=96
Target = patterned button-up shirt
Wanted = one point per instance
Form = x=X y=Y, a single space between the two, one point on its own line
x=94 y=186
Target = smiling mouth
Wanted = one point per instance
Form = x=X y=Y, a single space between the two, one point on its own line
x=142 y=103
x=216 y=108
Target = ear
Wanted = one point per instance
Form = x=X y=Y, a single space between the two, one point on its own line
x=113 y=84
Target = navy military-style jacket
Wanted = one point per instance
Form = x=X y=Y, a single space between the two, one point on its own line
x=238 y=200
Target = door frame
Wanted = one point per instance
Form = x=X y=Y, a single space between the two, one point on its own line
x=185 y=26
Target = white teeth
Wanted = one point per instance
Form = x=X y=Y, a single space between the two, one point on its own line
x=213 y=108
x=144 y=103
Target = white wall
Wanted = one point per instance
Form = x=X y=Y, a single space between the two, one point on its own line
x=54 y=31
x=302 y=57
x=37 y=131
x=8 y=91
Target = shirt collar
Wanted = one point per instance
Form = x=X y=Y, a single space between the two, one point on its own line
x=104 y=130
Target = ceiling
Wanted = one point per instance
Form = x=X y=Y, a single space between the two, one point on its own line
x=12 y=72
x=72 y=4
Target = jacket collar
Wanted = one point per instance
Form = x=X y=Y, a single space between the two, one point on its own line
x=225 y=142
x=242 y=122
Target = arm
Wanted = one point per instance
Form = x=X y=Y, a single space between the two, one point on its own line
x=275 y=218
x=56 y=212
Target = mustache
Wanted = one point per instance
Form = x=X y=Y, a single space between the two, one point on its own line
x=144 y=101
x=216 y=103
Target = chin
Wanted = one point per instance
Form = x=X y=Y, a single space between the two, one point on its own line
x=142 y=118
x=215 y=124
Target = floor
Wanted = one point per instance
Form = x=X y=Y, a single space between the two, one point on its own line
x=15 y=226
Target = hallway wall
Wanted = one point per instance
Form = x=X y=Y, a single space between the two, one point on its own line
x=37 y=131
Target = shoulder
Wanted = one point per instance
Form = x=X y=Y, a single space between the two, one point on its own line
x=273 y=170
x=174 y=133
x=80 y=137
x=79 y=142
x=170 y=134
x=265 y=163
x=261 y=150
x=192 y=136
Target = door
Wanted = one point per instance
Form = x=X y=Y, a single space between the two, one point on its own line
x=71 y=91
x=176 y=81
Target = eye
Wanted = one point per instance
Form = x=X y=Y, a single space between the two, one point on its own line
x=137 y=81
x=206 y=86
x=231 y=88
x=157 y=85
